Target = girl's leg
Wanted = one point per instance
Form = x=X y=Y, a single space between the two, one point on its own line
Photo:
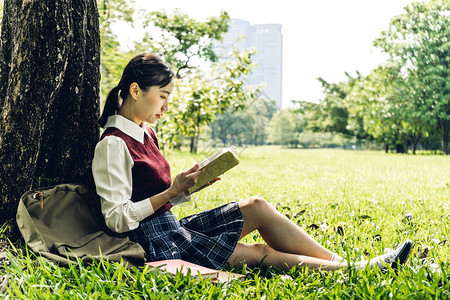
x=253 y=254
x=289 y=245
x=279 y=232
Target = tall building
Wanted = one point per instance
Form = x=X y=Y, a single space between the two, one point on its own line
x=267 y=39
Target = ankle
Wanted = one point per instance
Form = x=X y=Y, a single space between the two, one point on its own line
x=336 y=257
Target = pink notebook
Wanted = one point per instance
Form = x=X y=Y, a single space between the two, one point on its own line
x=173 y=266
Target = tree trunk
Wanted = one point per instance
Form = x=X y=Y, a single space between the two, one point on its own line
x=49 y=95
x=414 y=141
x=413 y=146
x=399 y=148
x=404 y=143
x=194 y=143
x=445 y=134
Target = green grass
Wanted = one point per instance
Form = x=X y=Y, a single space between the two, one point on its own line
x=375 y=200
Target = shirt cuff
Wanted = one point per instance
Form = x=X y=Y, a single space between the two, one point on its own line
x=143 y=209
x=180 y=198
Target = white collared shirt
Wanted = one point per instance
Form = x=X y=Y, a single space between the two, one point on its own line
x=111 y=167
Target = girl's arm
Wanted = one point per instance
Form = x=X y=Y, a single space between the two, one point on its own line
x=111 y=168
x=178 y=191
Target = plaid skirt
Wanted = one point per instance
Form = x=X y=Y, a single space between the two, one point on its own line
x=207 y=238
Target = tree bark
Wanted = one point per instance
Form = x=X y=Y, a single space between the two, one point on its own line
x=414 y=146
x=50 y=95
x=415 y=140
x=445 y=134
x=194 y=143
x=404 y=141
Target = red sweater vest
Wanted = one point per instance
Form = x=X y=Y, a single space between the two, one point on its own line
x=151 y=171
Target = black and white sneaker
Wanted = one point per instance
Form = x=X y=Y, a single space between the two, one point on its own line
x=393 y=259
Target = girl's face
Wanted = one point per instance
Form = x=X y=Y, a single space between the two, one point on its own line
x=150 y=105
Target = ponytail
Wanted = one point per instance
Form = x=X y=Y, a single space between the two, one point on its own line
x=111 y=106
x=146 y=70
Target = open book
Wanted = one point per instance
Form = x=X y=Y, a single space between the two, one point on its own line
x=217 y=164
x=173 y=266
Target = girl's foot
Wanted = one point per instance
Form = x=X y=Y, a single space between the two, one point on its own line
x=394 y=258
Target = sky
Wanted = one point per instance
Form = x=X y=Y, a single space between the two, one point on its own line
x=321 y=38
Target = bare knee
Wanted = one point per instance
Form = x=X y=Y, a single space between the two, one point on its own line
x=257 y=200
x=257 y=213
x=252 y=255
x=256 y=203
x=262 y=250
x=263 y=253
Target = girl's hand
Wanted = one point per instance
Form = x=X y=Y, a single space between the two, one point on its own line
x=186 y=180
x=204 y=186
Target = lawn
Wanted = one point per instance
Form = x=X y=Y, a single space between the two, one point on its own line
x=358 y=204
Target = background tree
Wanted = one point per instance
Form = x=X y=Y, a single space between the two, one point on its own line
x=113 y=57
x=49 y=87
x=183 y=42
x=284 y=128
x=246 y=126
x=332 y=113
x=335 y=113
x=201 y=98
x=405 y=101
x=204 y=87
x=376 y=102
x=261 y=110
x=419 y=40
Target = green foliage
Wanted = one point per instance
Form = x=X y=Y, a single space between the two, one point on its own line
x=199 y=99
x=333 y=113
x=204 y=87
x=405 y=101
x=292 y=128
x=376 y=200
x=310 y=139
x=284 y=128
x=202 y=93
x=182 y=40
x=384 y=102
x=334 y=116
x=246 y=126
x=113 y=58
x=419 y=41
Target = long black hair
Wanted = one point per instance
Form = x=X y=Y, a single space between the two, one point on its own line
x=146 y=70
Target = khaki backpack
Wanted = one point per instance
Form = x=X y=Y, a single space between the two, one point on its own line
x=64 y=222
